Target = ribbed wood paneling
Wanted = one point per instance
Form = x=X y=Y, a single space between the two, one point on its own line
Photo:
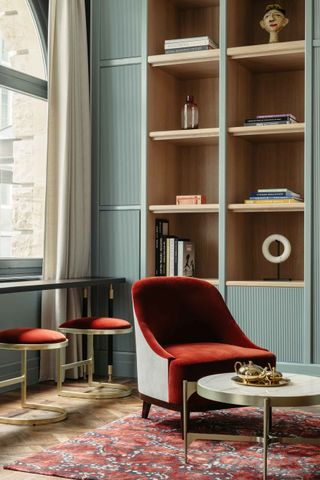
x=19 y=310
x=316 y=203
x=120 y=29
x=271 y=317
x=316 y=19
x=120 y=257
x=120 y=145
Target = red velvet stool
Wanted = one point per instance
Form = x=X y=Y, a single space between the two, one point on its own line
x=91 y=326
x=25 y=339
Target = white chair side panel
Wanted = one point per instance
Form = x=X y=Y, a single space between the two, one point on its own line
x=152 y=369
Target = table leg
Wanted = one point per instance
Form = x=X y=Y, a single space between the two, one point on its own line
x=266 y=425
x=185 y=420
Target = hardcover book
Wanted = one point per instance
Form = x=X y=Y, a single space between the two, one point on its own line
x=186 y=258
x=161 y=231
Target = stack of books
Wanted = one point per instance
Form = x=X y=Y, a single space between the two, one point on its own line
x=173 y=255
x=276 y=119
x=274 y=195
x=190 y=44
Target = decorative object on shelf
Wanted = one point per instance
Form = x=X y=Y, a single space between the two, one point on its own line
x=190 y=199
x=280 y=257
x=276 y=119
x=280 y=239
x=190 y=44
x=189 y=114
x=254 y=375
x=274 y=20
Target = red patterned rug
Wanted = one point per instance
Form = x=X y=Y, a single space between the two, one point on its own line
x=134 y=448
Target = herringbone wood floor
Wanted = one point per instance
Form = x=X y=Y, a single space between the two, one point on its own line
x=83 y=415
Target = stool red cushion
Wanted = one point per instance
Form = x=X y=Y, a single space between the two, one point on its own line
x=96 y=323
x=31 y=335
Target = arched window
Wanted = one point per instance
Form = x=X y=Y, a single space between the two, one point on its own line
x=23 y=133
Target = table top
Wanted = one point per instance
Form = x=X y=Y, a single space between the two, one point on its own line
x=302 y=390
x=34 y=285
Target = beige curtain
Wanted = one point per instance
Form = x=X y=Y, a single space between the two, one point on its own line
x=68 y=215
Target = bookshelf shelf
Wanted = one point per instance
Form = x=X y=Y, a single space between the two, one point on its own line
x=199 y=136
x=202 y=64
x=265 y=283
x=282 y=56
x=274 y=207
x=204 y=208
x=272 y=133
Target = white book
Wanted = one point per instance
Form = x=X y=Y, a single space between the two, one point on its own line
x=181 y=242
x=190 y=43
x=188 y=39
x=282 y=190
x=186 y=259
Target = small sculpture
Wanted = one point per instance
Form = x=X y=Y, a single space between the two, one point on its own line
x=274 y=20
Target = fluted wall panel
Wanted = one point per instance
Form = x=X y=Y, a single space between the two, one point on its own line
x=119 y=255
x=316 y=19
x=316 y=203
x=120 y=144
x=120 y=29
x=271 y=317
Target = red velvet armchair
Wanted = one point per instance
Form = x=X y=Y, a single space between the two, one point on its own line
x=184 y=331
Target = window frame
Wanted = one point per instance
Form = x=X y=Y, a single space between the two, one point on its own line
x=27 y=268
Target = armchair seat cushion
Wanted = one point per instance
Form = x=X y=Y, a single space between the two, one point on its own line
x=195 y=360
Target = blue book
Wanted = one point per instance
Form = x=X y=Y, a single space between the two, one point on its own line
x=275 y=193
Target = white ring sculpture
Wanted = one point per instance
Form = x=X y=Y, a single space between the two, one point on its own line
x=286 y=245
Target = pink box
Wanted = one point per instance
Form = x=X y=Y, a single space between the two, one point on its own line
x=190 y=199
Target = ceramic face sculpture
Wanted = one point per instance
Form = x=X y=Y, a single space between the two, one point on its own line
x=274 y=20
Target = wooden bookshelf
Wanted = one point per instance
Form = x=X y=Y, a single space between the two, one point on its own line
x=262 y=207
x=270 y=57
x=199 y=136
x=270 y=133
x=204 y=208
x=261 y=78
x=202 y=64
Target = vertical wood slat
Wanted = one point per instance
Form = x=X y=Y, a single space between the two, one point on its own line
x=120 y=140
x=120 y=29
x=316 y=204
x=271 y=317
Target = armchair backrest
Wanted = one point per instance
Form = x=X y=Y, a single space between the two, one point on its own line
x=184 y=310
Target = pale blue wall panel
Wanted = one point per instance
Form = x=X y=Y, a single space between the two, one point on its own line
x=19 y=310
x=316 y=203
x=120 y=257
x=120 y=144
x=120 y=29
x=271 y=317
x=316 y=19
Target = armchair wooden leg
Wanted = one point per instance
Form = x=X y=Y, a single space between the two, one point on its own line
x=145 y=409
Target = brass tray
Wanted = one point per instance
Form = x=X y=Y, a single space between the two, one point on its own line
x=281 y=383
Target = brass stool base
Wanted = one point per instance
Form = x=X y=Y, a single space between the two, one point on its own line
x=95 y=390
x=62 y=414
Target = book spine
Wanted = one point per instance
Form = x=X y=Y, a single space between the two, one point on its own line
x=257 y=195
x=273 y=119
x=188 y=49
x=289 y=115
x=189 y=44
x=285 y=190
x=174 y=41
x=175 y=257
x=161 y=230
x=157 y=248
x=278 y=122
x=279 y=200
